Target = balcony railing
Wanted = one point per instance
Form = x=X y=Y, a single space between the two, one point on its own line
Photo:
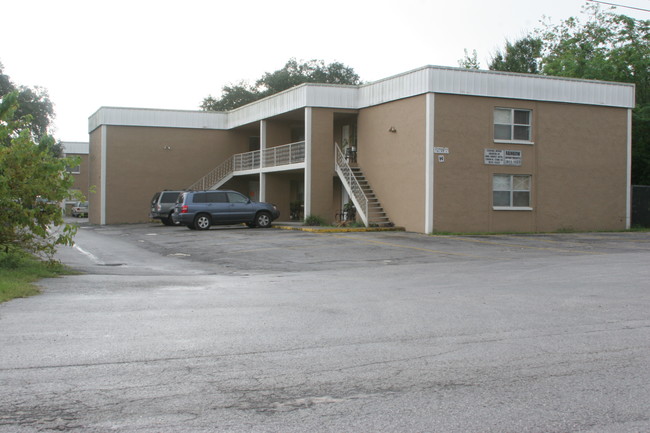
x=287 y=154
x=293 y=153
x=352 y=185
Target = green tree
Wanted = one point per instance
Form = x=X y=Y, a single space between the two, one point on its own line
x=32 y=184
x=524 y=55
x=292 y=74
x=232 y=96
x=31 y=101
x=470 y=61
x=607 y=46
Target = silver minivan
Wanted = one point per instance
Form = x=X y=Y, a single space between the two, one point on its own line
x=162 y=206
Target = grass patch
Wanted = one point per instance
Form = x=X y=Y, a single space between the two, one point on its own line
x=19 y=270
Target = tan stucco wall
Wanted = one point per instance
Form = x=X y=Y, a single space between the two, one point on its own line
x=141 y=161
x=80 y=180
x=581 y=167
x=278 y=191
x=322 y=163
x=577 y=163
x=394 y=162
x=94 y=176
x=278 y=133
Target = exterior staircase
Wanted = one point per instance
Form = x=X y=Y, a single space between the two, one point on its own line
x=376 y=214
x=364 y=198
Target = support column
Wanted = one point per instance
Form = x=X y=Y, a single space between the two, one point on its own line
x=628 y=198
x=308 y=157
x=430 y=162
x=262 y=196
x=102 y=192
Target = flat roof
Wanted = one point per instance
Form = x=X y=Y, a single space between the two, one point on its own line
x=427 y=79
x=76 y=147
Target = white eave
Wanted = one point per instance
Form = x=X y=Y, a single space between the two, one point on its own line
x=428 y=79
x=76 y=147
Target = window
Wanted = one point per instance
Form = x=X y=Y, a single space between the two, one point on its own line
x=215 y=197
x=74 y=170
x=234 y=197
x=511 y=191
x=511 y=124
x=210 y=197
x=169 y=197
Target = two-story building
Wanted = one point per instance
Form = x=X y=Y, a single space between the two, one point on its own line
x=433 y=149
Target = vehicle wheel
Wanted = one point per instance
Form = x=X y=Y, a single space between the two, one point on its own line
x=263 y=220
x=202 y=222
x=169 y=221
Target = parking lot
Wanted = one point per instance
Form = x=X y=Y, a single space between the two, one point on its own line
x=240 y=249
x=269 y=330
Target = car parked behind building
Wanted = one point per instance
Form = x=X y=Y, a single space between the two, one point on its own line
x=162 y=206
x=79 y=209
x=198 y=210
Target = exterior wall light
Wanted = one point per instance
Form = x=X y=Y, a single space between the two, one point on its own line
x=392 y=129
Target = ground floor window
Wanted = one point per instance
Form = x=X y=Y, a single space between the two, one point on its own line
x=511 y=191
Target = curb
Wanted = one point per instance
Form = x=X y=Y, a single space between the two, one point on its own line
x=340 y=229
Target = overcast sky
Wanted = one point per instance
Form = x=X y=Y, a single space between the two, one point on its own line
x=172 y=54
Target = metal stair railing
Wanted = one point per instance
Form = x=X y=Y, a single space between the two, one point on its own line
x=292 y=153
x=351 y=184
x=216 y=177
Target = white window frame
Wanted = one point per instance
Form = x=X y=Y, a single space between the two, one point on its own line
x=511 y=190
x=512 y=125
x=75 y=169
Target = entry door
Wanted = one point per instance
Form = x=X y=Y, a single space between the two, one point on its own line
x=254 y=190
x=345 y=138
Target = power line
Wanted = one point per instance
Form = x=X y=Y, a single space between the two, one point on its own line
x=619 y=5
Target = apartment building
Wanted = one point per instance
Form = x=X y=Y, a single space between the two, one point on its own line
x=80 y=173
x=432 y=149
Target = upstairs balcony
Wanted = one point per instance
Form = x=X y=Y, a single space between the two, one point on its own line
x=280 y=158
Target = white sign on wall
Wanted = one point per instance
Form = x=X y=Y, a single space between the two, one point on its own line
x=502 y=157
x=443 y=150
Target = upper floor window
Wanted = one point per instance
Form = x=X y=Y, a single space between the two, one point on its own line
x=512 y=124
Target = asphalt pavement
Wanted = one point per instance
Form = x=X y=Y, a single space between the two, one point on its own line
x=250 y=330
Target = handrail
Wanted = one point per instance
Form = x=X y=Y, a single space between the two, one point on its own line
x=215 y=176
x=292 y=153
x=352 y=185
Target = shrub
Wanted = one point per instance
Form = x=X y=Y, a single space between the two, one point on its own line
x=314 y=220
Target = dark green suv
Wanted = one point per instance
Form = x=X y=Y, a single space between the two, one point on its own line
x=198 y=210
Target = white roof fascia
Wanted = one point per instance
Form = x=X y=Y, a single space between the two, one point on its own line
x=154 y=117
x=76 y=147
x=473 y=82
x=428 y=79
